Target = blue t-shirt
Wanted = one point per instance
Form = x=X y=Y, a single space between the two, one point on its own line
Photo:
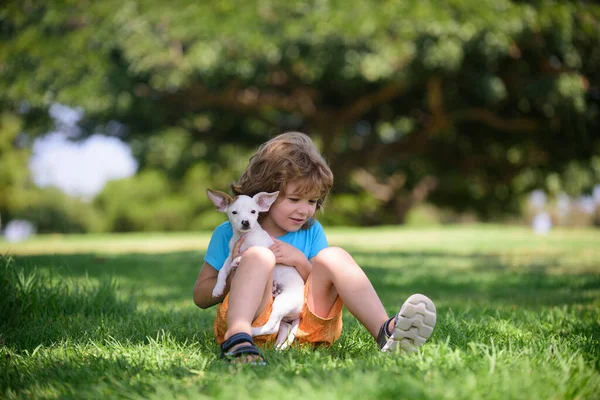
x=309 y=241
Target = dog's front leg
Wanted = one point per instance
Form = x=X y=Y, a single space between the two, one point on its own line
x=222 y=278
x=236 y=262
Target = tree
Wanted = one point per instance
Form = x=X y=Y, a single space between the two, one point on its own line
x=410 y=100
x=14 y=179
x=49 y=209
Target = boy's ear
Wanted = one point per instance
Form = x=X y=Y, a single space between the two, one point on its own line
x=264 y=200
x=219 y=199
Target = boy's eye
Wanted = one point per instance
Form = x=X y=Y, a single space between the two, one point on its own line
x=234 y=212
x=312 y=201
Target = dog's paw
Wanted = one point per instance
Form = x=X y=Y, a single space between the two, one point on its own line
x=217 y=291
x=236 y=263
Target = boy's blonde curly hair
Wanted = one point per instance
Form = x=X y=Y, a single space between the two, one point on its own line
x=291 y=156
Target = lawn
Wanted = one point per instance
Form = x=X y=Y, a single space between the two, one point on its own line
x=111 y=316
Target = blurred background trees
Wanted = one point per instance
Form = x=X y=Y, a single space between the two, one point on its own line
x=465 y=105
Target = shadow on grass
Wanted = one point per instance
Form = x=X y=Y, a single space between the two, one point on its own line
x=157 y=279
x=160 y=286
x=167 y=279
x=89 y=376
x=479 y=280
x=129 y=302
x=79 y=303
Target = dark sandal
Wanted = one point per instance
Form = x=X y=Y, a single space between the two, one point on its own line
x=384 y=333
x=238 y=353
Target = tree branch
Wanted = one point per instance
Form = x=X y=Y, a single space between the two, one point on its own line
x=381 y=191
x=364 y=104
x=246 y=99
x=484 y=116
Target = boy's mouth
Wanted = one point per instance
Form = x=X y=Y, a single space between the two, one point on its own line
x=298 y=220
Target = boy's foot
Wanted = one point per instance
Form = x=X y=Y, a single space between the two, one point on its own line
x=240 y=349
x=413 y=325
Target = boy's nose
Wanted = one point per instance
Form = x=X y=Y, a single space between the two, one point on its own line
x=303 y=209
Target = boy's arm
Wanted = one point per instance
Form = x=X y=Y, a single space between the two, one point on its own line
x=207 y=279
x=304 y=267
x=287 y=254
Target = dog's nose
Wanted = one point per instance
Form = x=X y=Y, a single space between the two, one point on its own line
x=245 y=223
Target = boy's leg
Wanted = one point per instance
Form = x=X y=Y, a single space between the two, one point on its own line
x=251 y=289
x=335 y=273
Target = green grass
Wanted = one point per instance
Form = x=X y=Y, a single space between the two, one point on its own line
x=112 y=317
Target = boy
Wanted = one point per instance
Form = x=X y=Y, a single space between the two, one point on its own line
x=291 y=164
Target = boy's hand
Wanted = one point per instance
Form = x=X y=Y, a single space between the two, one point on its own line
x=287 y=254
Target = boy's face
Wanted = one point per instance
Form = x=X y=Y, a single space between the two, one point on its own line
x=290 y=211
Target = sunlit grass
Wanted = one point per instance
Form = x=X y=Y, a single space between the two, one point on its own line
x=458 y=239
x=518 y=317
x=107 y=243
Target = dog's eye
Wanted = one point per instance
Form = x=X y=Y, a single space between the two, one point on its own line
x=253 y=211
x=234 y=212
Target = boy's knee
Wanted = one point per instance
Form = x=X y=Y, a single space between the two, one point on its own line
x=258 y=255
x=331 y=256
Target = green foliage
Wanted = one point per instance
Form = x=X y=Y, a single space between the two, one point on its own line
x=150 y=201
x=475 y=94
x=49 y=209
x=53 y=211
x=348 y=210
x=140 y=203
x=423 y=215
x=13 y=161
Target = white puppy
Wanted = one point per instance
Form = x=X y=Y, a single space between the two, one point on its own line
x=288 y=285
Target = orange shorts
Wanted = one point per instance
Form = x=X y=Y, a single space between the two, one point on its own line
x=312 y=329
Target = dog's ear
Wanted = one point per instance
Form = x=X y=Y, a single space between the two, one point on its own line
x=264 y=200
x=219 y=199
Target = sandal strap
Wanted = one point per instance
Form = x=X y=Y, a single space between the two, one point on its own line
x=383 y=335
x=247 y=350
x=236 y=339
x=242 y=351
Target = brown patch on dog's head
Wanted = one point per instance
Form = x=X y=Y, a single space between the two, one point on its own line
x=220 y=199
